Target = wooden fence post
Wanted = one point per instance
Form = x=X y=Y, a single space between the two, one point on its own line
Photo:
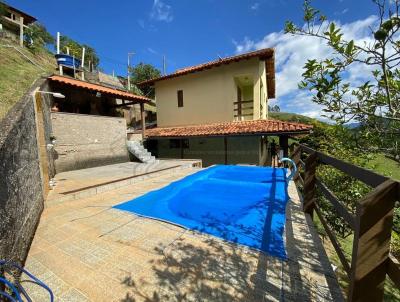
x=371 y=244
x=310 y=183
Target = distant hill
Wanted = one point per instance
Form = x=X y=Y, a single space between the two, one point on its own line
x=17 y=73
x=291 y=117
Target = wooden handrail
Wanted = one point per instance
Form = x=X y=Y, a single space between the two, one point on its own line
x=243 y=108
x=342 y=211
x=366 y=176
x=243 y=102
x=372 y=222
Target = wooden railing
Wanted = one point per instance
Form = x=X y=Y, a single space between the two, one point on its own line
x=371 y=223
x=239 y=110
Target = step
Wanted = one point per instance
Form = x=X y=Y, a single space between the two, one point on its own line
x=115 y=184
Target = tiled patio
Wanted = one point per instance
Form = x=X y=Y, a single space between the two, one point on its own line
x=87 y=251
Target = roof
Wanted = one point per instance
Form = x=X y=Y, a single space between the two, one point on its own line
x=266 y=54
x=99 y=88
x=255 y=127
x=28 y=19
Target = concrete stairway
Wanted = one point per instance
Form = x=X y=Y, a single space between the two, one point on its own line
x=136 y=148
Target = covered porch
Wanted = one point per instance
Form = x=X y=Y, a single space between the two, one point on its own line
x=257 y=142
x=87 y=98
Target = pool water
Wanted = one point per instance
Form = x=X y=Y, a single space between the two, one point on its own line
x=240 y=204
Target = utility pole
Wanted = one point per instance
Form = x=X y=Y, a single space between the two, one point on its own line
x=164 y=66
x=129 y=72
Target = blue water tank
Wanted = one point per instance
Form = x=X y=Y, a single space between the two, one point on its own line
x=68 y=60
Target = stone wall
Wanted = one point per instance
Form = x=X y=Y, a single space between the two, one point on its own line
x=84 y=141
x=21 y=191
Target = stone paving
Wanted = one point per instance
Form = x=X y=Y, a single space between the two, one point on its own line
x=87 y=251
x=83 y=183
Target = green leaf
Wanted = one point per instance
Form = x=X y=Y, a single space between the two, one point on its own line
x=349 y=48
x=332 y=28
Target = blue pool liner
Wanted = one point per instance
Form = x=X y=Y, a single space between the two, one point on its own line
x=240 y=204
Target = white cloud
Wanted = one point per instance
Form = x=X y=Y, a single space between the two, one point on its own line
x=161 y=11
x=151 y=50
x=292 y=52
x=255 y=6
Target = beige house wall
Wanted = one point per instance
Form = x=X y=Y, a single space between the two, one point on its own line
x=208 y=96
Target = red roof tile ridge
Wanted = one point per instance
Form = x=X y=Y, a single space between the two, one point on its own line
x=198 y=67
x=85 y=84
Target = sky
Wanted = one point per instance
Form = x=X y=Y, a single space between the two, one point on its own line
x=189 y=32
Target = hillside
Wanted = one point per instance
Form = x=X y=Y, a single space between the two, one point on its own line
x=17 y=74
x=290 y=117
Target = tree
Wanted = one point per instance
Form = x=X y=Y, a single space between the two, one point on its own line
x=375 y=103
x=75 y=49
x=274 y=108
x=3 y=8
x=37 y=37
x=339 y=142
x=142 y=72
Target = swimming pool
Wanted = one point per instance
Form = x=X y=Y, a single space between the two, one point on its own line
x=241 y=204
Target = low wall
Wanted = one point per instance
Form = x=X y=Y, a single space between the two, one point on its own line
x=84 y=141
x=21 y=190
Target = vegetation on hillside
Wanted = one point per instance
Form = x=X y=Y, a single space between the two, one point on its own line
x=3 y=9
x=291 y=117
x=75 y=49
x=37 y=37
x=17 y=74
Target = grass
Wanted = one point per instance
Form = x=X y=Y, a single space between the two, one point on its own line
x=392 y=293
x=385 y=166
x=17 y=74
x=379 y=163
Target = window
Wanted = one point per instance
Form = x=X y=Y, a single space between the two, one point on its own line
x=180 y=98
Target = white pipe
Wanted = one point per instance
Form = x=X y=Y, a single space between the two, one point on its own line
x=83 y=56
x=58 y=42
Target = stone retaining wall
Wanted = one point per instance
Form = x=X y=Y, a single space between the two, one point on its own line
x=21 y=191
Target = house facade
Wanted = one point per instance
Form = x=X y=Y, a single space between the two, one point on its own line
x=232 y=92
x=14 y=22
x=218 y=111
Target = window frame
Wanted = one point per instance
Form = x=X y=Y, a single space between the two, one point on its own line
x=179 y=95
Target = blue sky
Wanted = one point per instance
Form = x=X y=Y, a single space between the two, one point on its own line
x=192 y=32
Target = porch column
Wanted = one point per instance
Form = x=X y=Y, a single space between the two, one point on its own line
x=181 y=146
x=226 y=150
x=284 y=144
x=142 y=120
x=21 y=31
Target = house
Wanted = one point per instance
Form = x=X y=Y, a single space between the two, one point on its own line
x=218 y=111
x=13 y=23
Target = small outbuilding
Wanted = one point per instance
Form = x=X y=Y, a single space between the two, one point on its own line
x=14 y=22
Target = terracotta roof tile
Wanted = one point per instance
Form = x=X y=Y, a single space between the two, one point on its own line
x=266 y=54
x=96 y=87
x=230 y=128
